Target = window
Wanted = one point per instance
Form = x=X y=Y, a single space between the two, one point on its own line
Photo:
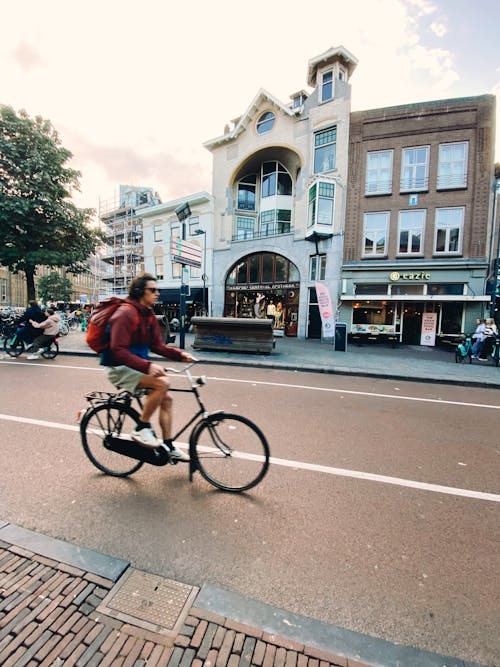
x=321 y=197
x=378 y=173
x=275 y=221
x=265 y=122
x=325 y=150
x=371 y=288
x=327 y=86
x=194 y=224
x=244 y=227
x=415 y=169
x=275 y=180
x=3 y=289
x=446 y=288
x=246 y=193
x=376 y=312
x=411 y=232
x=157 y=233
x=317 y=267
x=452 y=169
x=158 y=258
x=376 y=229
x=449 y=230
x=342 y=74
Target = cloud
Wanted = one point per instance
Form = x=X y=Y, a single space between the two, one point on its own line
x=439 y=29
x=26 y=56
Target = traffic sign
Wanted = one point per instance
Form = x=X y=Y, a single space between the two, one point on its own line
x=184 y=252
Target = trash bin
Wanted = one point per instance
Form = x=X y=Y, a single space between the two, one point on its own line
x=340 y=336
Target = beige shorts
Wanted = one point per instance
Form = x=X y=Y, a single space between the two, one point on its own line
x=124 y=377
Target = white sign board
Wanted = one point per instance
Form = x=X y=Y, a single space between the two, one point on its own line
x=428 y=333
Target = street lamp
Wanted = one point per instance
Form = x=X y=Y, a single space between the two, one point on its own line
x=203 y=275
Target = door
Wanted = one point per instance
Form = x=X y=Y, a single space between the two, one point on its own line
x=412 y=322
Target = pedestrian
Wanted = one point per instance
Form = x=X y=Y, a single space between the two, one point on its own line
x=50 y=328
x=478 y=336
x=488 y=336
x=134 y=331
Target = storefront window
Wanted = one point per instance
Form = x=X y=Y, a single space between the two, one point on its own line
x=407 y=289
x=446 y=288
x=371 y=288
x=451 y=318
x=267 y=268
x=254 y=268
x=375 y=312
x=241 y=273
x=281 y=265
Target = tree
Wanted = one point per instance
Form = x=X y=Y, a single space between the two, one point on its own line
x=54 y=287
x=39 y=225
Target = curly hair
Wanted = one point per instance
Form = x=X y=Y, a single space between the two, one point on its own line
x=138 y=284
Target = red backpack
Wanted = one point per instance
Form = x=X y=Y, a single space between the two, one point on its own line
x=97 y=336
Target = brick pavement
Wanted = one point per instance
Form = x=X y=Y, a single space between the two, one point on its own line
x=48 y=618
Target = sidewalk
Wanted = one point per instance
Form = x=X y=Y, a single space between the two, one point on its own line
x=407 y=362
x=62 y=605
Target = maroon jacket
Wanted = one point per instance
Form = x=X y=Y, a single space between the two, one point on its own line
x=136 y=326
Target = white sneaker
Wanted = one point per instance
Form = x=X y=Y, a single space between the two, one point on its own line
x=145 y=437
x=177 y=454
x=32 y=356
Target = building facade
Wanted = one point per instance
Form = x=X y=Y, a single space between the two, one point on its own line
x=161 y=227
x=279 y=179
x=419 y=222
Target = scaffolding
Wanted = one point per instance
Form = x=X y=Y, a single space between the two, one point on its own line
x=124 y=253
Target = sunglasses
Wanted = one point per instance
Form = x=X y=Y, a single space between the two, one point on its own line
x=153 y=289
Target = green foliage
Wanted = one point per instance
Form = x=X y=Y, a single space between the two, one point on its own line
x=54 y=288
x=39 y=224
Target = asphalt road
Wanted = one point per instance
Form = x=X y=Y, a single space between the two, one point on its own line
x=380 y=512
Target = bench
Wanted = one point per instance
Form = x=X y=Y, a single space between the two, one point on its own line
x=233 y=334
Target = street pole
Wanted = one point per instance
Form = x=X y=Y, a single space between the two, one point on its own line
x=183 y=212
x=203 y=275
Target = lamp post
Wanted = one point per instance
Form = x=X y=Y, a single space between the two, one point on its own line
x=183 y=212
x=203 y=275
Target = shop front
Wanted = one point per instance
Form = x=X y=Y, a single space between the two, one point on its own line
x=419 y=307
x=264 y=286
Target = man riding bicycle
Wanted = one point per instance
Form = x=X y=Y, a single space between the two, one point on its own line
x=134 y=331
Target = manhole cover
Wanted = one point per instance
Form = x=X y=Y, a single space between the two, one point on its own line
x=149 y=601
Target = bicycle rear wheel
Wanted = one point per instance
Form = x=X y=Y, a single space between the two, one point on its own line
x=230 y=452
x=101 y=422
x=51 y=351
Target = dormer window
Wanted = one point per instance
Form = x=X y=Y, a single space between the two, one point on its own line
x=327 y=86
x=265 y=122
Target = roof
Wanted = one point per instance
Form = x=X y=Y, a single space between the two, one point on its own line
x=333 y=53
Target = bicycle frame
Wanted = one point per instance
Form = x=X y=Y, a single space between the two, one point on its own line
x=159 y=456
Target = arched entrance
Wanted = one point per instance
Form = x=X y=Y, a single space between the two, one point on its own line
x=264 y=285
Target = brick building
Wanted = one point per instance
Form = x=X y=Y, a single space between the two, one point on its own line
x=419 y=219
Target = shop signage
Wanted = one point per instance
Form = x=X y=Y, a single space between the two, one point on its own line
x=428 y=332
x=411 y=275
x=325 y=310
x=262 y=286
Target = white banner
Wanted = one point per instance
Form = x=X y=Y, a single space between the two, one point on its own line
x=428 y=333
x=325 y=310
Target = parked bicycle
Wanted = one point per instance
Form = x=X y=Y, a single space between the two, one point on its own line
x=228 y=450
x=16 y=343
x=490 y=351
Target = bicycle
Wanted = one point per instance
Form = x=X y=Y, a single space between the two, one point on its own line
x=463 y=351
x=15 y=345
x=228 y=450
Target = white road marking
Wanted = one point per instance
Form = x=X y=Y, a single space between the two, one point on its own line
x=313 y=467
x=285 y=385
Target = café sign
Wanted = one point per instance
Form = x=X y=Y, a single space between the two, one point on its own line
x=412 y=275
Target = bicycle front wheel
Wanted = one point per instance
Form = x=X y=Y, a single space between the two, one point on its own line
x=99 y=423
x=230 y=452
x=14 y=346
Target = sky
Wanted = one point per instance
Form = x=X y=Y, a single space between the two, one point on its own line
x=134 y=89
